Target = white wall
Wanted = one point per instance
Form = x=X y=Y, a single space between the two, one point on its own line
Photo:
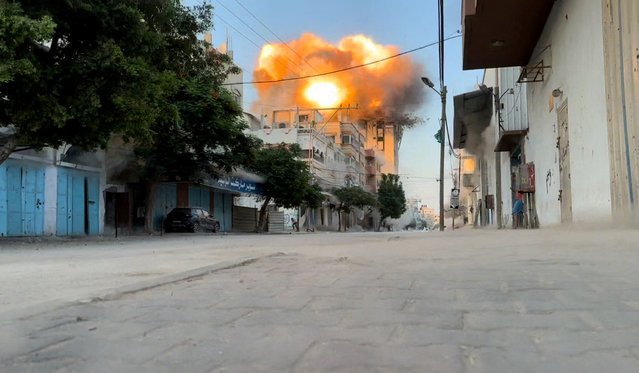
x=572 y=43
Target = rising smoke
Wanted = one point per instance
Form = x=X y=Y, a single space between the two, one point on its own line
x=389 y=89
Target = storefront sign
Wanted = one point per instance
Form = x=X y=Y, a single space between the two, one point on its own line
x=236 y=184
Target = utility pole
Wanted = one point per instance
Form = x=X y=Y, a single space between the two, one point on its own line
x=441 y=160
x=440 y=9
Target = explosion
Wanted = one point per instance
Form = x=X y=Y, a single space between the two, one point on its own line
x=391 y=87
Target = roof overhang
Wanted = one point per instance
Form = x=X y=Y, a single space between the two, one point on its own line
x=501 y=33
x=508 y=140
x=473 y=111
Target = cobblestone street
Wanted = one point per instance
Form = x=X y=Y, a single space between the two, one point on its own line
x=408 y=307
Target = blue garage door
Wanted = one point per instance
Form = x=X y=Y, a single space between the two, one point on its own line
x=223 y=203
x=200 y=197
x=165 y=201
x=21 y=199
x=78 y=210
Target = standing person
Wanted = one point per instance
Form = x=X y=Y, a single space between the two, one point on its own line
x=518 y=210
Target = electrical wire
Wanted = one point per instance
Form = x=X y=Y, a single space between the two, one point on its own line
x=343 y=69
x=450 y=145
x=274 y=34
x=255 y=32
x=244 y=36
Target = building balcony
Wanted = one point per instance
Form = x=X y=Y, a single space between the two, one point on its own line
x=500 y=33
x=370 y=153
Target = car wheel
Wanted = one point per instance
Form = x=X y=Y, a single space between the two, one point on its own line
x=216 y=227
x=197 y=228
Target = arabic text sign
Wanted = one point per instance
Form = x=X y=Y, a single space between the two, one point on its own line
x=236 y=184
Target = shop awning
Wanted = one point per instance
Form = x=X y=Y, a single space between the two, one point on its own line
x=508 y=140
x=473 y=111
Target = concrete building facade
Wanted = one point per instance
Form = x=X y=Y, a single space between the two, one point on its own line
x=559 y=102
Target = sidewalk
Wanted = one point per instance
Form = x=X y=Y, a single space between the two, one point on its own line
x=48 y=271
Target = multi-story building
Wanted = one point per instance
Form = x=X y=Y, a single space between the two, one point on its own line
x=554 y=117
x=334 y=151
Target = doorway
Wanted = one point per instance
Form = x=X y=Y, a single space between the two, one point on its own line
x=563 y=145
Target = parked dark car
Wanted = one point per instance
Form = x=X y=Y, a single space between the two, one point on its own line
x=193 y=219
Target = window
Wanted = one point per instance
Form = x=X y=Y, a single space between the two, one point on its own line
x=303 y=118
x=347 y=139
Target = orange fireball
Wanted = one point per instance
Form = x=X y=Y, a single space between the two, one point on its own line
x=390 y=85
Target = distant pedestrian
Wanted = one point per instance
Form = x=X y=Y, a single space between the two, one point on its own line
x=518 y=211
x=294 y=223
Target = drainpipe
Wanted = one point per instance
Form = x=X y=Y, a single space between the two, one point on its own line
x=498 y=196
x=623 y=102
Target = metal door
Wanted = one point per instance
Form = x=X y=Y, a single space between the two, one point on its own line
x=200 y=197
x=228 y=212
x=3 y=200
x=92 y=203
x=165 y=201
x=78 y=210
x=218 y=198
x=565 y=192
x=21 y=199
x=14 y=203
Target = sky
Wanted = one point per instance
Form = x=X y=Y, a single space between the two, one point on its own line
x=407 y=24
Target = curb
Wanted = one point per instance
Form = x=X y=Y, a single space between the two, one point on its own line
x=38 y=309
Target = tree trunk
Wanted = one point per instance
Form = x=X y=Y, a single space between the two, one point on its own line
x=149 y=209
x=8 y=148
x=261 y=224
x=339 y=218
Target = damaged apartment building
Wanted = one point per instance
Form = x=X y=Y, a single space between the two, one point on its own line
x=340 y=152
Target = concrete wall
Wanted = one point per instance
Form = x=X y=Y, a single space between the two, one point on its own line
x=572 y=43
x=621 y=62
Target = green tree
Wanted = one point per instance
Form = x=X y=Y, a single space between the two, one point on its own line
x=287 y=179
x=20 y=35
x=206 y=138
x=96 y=74
x=391 y=197
x=201 y=131
x=350 y=197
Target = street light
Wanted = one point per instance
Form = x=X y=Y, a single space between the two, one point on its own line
x=429 y=83
x=442 y=130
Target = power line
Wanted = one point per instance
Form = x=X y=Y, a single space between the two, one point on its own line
x=255 y=32
x=343 y=69
x=274 y=34
x=245 y=37
x=239 y=32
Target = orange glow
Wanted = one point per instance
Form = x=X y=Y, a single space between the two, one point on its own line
x=323 y=93
x=468 y=165
x=391 y=86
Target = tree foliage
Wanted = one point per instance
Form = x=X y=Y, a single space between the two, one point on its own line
x=350 y=197
x=94 y=75
x=391 y=197
x=76 y=71
x=287 y=179
x=355 y=196
x=20 y=35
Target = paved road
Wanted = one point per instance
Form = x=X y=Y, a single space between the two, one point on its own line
x=473 y=301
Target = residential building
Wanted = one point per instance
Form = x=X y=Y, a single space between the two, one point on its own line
x=334 y=151
x=554 y=116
